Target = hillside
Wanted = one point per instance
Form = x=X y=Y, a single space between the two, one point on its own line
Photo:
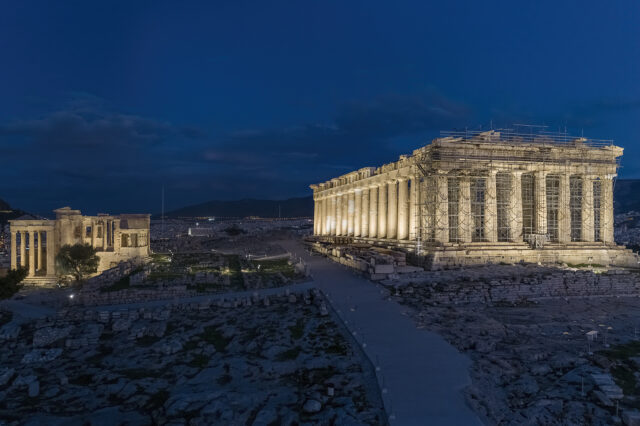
x=292 y=207
x=7 y=213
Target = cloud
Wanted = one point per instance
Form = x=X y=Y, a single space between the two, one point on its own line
x=86 y=152
x=361 y=133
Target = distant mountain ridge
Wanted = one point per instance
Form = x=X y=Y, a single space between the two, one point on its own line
x=626 y=198
x=292 y=207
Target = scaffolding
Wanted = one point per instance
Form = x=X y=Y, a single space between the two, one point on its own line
x=452 y=201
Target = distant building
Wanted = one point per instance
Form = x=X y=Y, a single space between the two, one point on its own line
x=200 y=232
x=36 y=242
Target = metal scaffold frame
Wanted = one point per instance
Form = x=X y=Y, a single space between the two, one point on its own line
x=451 y=203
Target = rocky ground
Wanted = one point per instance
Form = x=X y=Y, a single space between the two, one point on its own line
x=532 y=361
x=277 y=361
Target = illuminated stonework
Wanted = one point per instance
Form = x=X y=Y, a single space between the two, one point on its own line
x=483 y=197
x=35 y=243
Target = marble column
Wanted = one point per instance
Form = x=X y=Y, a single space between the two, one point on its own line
x=325 y=216
x=540 y=202
x=328 y=215
x=382 y=211
x=413 y=208
x=490 y=208
x=351 y=212
x=334 y=217
x=339 y=214
x=357 y=218
x=515 y=212
x=564 y=210
x=14 y=250
x=403 y=209
x=587 y=209
x=32 y=252
x=345 y=214
x=23 y=248
x=50 y=254
x=606 y=210
x=316 y=217
x=464 y=210
x=364 y=217
x=319 y=201
x=40 y=250
x=392 y=209
x=315 y=225
x=373 y=212
x=441 y=216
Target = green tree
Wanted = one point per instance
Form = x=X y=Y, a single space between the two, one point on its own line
x=78 y=260
x=10 y=283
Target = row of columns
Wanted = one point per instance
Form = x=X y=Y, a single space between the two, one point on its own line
x=383 y=210
x=34 y=263
x=389 y=209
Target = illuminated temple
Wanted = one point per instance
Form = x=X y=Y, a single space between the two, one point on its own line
x=480 y=197
x=36 y=242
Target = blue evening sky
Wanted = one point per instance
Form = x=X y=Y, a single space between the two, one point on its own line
x=102 y=103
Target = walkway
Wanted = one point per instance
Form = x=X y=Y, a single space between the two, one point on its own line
x=423 y=375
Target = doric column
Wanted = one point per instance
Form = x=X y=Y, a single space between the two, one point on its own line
x=316 y=218
x=540 y=204
x=464 y=210
x=373 y=212
x=351 y=212
x=50 y=254
x=357 y=218
x=334 y=214
x=320 y=216
x=345 y=214
x=392 y=209
x=515 y=203
x=328 y=218
x=606 y=209
x=14 y=250
x=403 y=209
x=32 y=252
x=41 y=262
x=441 y=217
x=364 y=214
x=587 y=209
x=23 y=247
x=339 y=214
x=564 y=210
x=413 y=208
x=325 y=216
x=36 y=263
x=382 y=211
x=491 y=208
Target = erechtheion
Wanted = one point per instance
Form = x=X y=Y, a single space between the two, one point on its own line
x=35 y=243
x=478 y=197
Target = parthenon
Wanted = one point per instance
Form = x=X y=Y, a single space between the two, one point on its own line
x=478 y=197
x=35 y=242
